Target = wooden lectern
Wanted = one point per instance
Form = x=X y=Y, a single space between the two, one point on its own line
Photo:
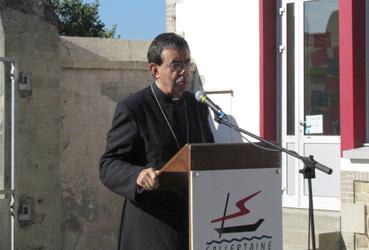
x=235 y=197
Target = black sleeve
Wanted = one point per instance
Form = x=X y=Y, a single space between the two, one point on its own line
x=117 y=169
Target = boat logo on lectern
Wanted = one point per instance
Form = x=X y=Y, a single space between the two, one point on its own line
x=247 y=240
x=242 y=211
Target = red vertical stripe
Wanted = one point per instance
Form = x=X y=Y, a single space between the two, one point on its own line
x=352 y=72
x=268 y=68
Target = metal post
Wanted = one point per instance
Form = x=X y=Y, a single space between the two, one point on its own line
x=13 y=80
x=13 y=75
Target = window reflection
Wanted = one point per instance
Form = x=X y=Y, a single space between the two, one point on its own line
x=321 y=53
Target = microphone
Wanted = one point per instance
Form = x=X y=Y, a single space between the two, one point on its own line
x=203 y=98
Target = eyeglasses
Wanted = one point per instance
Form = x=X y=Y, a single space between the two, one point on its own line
x=177 y=66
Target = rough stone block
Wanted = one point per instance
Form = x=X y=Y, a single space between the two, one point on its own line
x=365 y=187
x=361 y=198
x=361 y=241
x=353 y=218
x=357 y=186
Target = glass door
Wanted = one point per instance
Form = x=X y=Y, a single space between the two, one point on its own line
x=309 y=90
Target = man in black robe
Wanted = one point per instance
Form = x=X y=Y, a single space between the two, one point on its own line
x=148 y=128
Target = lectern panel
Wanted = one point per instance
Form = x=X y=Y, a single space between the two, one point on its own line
x=236 y=209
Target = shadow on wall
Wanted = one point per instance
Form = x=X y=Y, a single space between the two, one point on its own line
x=331 y=240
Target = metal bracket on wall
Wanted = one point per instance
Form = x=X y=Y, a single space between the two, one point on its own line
x=24 y=85
x=25 y=212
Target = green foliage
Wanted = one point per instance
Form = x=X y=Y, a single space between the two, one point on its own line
x=76 y=18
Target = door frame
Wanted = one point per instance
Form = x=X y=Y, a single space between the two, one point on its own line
x=298 y=199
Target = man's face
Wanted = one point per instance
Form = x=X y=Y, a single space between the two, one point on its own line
x=173 y=75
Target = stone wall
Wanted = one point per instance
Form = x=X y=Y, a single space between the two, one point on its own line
x=30 y=36
x=95 y=75
x=355 y=209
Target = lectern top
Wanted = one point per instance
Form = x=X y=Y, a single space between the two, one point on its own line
x=216 y=156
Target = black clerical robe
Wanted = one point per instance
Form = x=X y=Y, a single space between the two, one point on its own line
x=140 y=138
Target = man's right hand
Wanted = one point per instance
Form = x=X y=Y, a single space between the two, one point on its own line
x=148 y=179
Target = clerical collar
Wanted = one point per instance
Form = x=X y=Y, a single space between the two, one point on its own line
x=162 y=96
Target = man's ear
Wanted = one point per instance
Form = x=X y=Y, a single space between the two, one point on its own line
x=154 y=70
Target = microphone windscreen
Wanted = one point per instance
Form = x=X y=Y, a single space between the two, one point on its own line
x=199 y=95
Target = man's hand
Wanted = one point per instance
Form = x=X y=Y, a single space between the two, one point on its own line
x=148 y=179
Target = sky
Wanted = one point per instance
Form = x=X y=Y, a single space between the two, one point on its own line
x=136 y=19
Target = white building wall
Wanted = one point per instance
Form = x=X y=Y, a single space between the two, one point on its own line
x=224 y=41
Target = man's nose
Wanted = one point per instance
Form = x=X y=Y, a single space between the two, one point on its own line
x=182 y=71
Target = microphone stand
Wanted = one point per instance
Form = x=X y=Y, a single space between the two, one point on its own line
x=308 y=171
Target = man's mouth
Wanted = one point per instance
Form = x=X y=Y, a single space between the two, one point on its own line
x=181 y=81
